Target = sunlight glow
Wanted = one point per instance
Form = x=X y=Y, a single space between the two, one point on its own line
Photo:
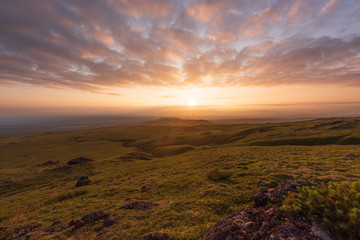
x=191 y=102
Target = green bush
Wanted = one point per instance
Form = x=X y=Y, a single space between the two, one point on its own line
x=218 y=175
x=65 y=196
x=336 y=207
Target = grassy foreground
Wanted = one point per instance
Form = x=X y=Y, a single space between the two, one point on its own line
x=166 y=162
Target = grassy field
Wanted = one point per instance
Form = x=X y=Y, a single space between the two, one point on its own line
x=166 y=162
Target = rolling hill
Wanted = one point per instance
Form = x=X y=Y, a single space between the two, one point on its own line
x=153 y=177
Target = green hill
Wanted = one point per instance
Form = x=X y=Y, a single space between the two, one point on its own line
x=165 y=162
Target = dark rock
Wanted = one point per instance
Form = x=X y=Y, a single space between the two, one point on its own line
x=158 y=236
x=76 y=223
x=83 y=180
x=55 y=223
x=48 y=163
x=108 y=222
x=140 y=205
x=261 y=198
x=79 y=160
x=93 y=217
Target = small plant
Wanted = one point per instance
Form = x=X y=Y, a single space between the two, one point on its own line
x=65 y=196
x=336 y=207
x=218 y=175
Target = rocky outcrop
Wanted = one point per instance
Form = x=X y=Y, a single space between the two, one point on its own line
x=92 y=218
x=266 y=221
x=79 y=160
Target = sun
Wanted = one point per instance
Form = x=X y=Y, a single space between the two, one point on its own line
x=191 y=102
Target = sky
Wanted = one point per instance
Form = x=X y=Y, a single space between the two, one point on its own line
x=191 y=58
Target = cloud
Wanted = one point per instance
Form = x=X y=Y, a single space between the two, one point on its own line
x=102 y=44
x=329 y=6
x=153 y=9
x=299 y=10
x=205 y=11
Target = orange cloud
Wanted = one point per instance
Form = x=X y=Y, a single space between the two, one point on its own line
x=179 y=38
x=154 y=9
x=329 y=6
x=256 y=24
x=298 y=10
x=223 y=37
x=205 y=11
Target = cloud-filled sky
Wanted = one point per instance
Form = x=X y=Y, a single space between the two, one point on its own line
x=168 y=48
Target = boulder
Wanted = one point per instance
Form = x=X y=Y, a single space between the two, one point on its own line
x=76 y=223
x=83 y=181
x=261 y=198
x=93 y=217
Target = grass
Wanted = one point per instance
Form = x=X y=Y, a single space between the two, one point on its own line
x=173 y=164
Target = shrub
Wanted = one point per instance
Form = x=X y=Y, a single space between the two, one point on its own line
x=218 y=175
x=65 y=196
x=336 y=207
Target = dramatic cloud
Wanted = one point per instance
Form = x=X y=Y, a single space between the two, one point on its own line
x=96 y=45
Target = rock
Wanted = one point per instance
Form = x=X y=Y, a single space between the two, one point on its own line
x=140 y=205
x=263 y=223
x=267 y=222
x=320 y=231
x=79 y=160
x=261 y=198
x=108 y=222
x=76 y=223
x=48 y=163
x=93 y=217
x=158 y=236
x=55 y=223
x=83 y=180
x=277 y=194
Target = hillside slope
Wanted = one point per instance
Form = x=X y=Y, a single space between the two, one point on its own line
x=166 y=165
